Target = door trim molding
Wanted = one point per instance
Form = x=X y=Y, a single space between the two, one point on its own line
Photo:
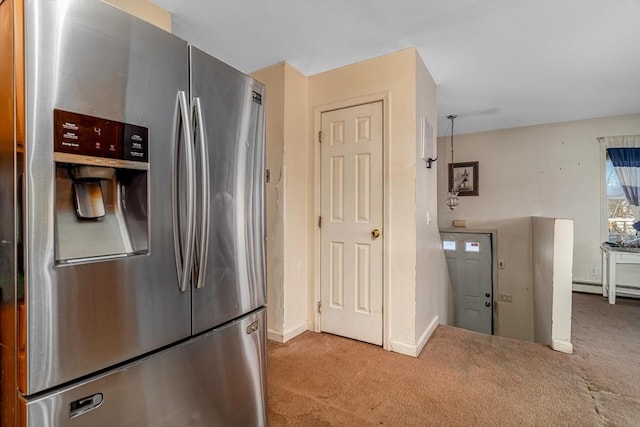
x=385 y=97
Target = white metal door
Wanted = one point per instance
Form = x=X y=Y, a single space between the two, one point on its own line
x=469 y=257
x=351 y=222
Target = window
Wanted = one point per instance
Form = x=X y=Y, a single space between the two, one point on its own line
x=620 y=217
x=473 y=247
x=449 y=245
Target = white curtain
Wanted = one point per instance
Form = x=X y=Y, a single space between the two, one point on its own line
x=626 y=141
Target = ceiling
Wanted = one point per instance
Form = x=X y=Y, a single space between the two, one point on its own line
x=497 y=64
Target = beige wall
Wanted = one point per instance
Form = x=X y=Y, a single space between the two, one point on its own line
x=434 y=303
x=543 y=238
x=416 y=276
x=298 y=212
x=514 y=247
x=551 y=170
x=287 y=217
x=399 y=78
x=273 y=78
x=145 y=9
x=392 y=74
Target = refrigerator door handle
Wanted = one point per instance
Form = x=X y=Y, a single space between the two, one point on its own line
x=206 y=201
x=183 y=252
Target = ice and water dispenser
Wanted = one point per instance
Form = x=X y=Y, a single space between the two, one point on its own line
x=101 y=183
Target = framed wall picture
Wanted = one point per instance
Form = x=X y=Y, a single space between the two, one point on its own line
x=463 y=178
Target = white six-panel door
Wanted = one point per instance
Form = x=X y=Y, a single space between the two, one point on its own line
x=351 y=222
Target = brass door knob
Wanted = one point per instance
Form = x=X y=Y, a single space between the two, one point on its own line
x=375 y=233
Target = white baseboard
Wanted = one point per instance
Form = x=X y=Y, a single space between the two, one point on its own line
x=274 y=336
x=283 y=337
x=295 y=331
x=402 y=348
x=414 y=350
x=427 y=334
x=562 y=346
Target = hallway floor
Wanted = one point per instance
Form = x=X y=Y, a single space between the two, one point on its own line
x=465 y=378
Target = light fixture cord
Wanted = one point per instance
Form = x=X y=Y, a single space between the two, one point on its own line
x=451 y=187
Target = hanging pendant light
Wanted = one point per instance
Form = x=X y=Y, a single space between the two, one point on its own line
x=452 y=199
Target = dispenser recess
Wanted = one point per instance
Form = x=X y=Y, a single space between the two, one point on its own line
x=101 y=181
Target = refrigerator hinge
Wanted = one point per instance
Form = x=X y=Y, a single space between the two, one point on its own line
x=320 y=136
x=319 y=307
x=319 y=222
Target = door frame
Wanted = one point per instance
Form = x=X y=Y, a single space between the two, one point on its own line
x=385 y=98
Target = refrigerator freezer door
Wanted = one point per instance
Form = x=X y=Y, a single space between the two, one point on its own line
x=90 y=58
x=217 y=379
x=233 y=119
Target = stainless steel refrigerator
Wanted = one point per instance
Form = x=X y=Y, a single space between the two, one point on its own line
x=132 y=233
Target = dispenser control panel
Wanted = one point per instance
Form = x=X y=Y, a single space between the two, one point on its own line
x=107 y=142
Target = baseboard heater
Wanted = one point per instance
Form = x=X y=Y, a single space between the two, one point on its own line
x=587 y=287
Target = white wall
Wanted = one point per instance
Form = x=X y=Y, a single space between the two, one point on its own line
x=552 y=286
x=562 y=285
x=550 y=170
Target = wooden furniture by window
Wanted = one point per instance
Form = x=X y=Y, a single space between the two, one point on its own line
x=611 y=257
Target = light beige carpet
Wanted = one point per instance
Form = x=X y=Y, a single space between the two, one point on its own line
x=465 y=378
